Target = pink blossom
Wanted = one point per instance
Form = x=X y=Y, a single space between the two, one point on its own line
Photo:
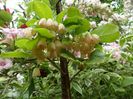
x=69 y=2
x=114 y=49
x=5 y=64
x=12 y=33
x=77 y=54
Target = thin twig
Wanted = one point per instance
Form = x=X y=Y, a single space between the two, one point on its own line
x=75 y=75
x=21 y=7
x=54 y=64
x=58 y=7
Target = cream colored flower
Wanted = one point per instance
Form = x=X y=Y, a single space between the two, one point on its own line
x=28 y=32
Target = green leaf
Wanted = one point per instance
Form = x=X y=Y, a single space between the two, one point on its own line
x=42 y=9
x=88 y=82
x=53 y=3
x=107 y=32
x=114 y=75
x=125 y=38
x=15 y=84
x=117 y=88
x=72 y=21
x=77 y=87
x=5 y=16
x=83 y=27
x=96 y=57
x=25 y=43
x=60 y=16
x=21 y=43
x=73 y=11
x=15 y=54
x=31 y=87
x=99 y=70
x=47 y=2
x=31 y=44
x=45 y=32
x=127 y=81
x=22 y=20
x=76 y=25
x=3 y=79
x=29 y=8
x=1 y=22
x=31 y=22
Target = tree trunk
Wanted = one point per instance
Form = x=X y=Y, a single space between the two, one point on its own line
x=65 y=82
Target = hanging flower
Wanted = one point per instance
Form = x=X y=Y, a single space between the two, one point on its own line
x=5 y=64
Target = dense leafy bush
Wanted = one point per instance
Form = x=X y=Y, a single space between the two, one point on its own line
x=78 y=50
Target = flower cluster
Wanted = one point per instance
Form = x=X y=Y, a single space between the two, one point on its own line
x=94 y=8
x=128 y=27
x=83 y=46
x=52 y=25
x=80 y=46
x=51 y=49
x=13 y=33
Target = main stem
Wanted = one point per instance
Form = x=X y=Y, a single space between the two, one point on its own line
x=65 y=82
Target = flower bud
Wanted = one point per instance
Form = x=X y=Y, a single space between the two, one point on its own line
x=42 y=22
x=58 y=44
x=59 y=47
x=38 y=53
x=61 y=28
x=52 y=46
x=49 y=23
x=95 y=38
x=54 y=54
x=52 y=50
x=41 y=44
x=55 y=26
x=88 y=38
x=36 y=72
x=93 y=24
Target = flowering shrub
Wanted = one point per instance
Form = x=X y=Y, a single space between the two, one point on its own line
x=70 y=52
